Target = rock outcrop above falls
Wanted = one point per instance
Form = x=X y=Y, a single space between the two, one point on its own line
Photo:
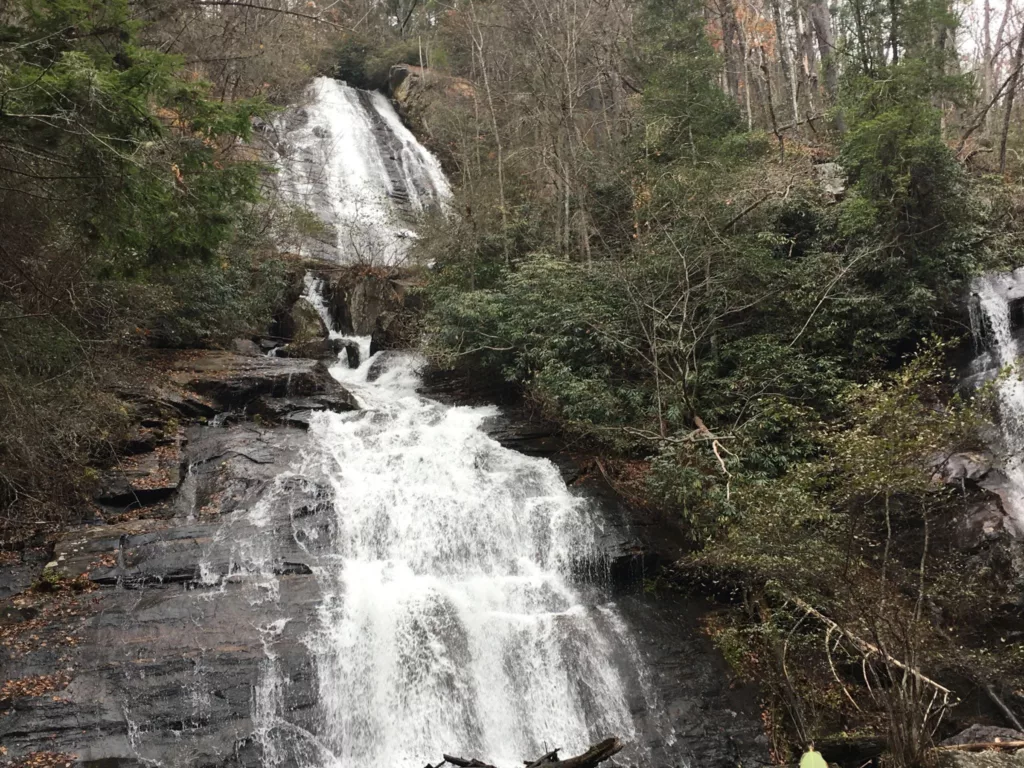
x=382 y=304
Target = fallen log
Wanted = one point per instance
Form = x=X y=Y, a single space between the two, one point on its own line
x=550 y=757
x=461 y=762
x=594 y=756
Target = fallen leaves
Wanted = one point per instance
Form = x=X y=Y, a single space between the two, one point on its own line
x=45 y=760
x=57 y=612
x=37 y=685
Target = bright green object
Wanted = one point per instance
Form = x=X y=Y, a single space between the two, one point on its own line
x=813 y=759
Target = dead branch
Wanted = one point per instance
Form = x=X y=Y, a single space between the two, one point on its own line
x=717 y=448
x=868 y=648
x=1003 y=708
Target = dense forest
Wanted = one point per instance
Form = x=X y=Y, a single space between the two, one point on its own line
x=726 y=244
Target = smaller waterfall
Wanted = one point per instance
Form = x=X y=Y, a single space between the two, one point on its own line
x=993 y=300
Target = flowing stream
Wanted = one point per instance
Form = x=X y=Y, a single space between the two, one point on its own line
x=462 y=606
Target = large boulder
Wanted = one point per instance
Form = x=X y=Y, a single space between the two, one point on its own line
x=982 y=522
x=360 y=302
x=831 y=179
x=323 y=349
x=297 y=411
x=426 y=98
x=246 y=347
x=317 y=349
x=369 y=299
x=983 y=734
x=964 y=467
x=302 y=323
x=234 y=381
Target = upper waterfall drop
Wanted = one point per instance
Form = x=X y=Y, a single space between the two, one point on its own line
x=345 y=155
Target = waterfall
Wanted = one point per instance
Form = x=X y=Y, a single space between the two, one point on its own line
x=458 y=613
x=345 y=156
x=993 y=297
x=450 y=620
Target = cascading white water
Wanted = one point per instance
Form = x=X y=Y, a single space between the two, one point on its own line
x=450 y=621
x=994 y=294
x=345 y=156
x=453 y=618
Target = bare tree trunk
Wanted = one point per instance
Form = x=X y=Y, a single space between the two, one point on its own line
x=1018 y=59
x=808 y=58
x=785 y=56
x=734 y=65
x=862 y=42
x=478 y=44
x=894 y=43
x=771 y=106
x=987 y=71
x=821 y=19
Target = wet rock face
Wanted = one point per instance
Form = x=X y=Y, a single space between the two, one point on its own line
x=376 y=305
x=162 y=662
x=318 y=349
x=983 y=734
x=233 y=381
x=302 y=323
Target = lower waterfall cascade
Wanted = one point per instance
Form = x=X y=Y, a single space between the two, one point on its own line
x=454 y=615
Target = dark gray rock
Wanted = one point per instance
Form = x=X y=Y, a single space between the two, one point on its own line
x=15 y=579
x=714 y=721
x=982 y=522
x=368 y=299
x=386 y=333
x=983 y=734
x=296 y=410
x=356 y=301
x=384 y=362
x=141 y=479
x=353 y=354
x=233 y=381
x=966 y=466
x=268 y=344
x=981 y=760
x=246 y=347
x=324 y=349
x=302 y=323
x=317 y=349
x=196 y=615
